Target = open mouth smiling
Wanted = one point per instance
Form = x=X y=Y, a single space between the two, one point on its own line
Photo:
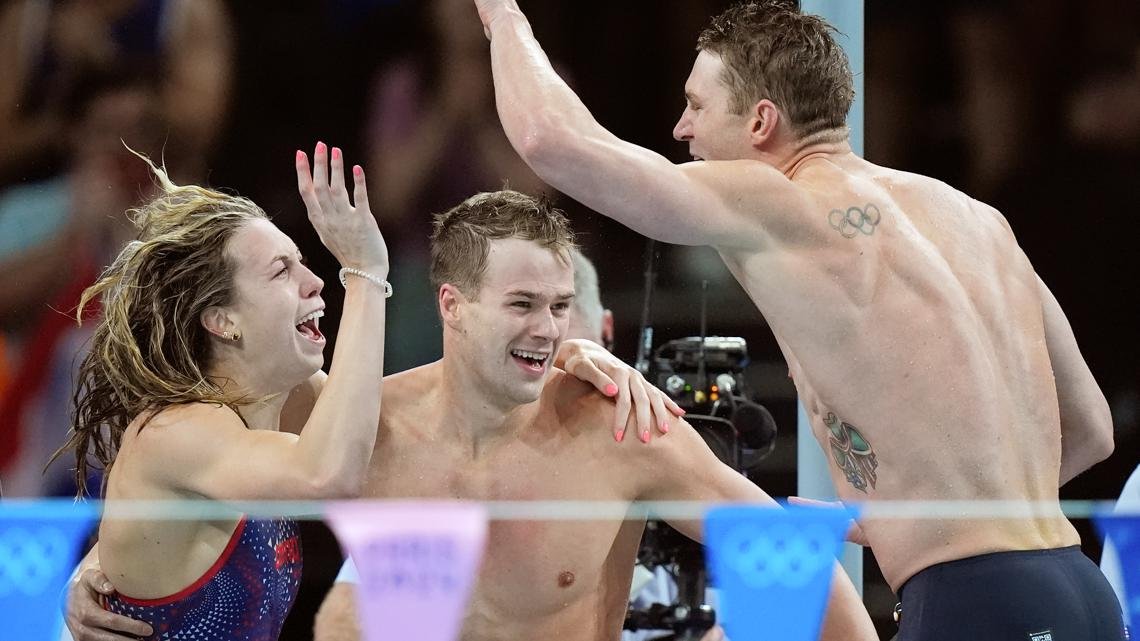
x=534 y=361
x=309 y=325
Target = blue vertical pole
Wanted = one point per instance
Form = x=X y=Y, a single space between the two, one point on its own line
x=812 y=476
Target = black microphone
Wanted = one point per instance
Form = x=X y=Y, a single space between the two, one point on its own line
x=755 y=426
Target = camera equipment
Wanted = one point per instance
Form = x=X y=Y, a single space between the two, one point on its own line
x=705 y=376
x=688 y=617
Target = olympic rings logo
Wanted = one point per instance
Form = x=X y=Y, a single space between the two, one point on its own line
x=30 y=560
x=779 y=555
x=855 y=220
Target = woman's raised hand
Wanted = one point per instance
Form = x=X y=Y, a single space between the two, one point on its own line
x=348 y=231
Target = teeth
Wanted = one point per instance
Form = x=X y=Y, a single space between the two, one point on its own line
x=537 y=356
x=311 y=316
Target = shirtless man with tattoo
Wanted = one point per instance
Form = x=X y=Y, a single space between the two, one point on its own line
x=933 y=362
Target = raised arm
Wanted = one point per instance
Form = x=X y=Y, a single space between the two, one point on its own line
x=207 y=450
x=691 y=204
x=1086 y=423
x=300 y=403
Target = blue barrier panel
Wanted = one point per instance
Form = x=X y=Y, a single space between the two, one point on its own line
x=39 y=544
x=773 y=568
x=1124 y=530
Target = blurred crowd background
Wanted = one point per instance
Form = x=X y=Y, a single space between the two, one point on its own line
x=1032 y=106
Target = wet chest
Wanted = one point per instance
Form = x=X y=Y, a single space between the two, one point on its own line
x=537 y=568
x=532 y=566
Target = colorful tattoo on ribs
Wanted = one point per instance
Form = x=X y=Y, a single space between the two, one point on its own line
x=852 y=453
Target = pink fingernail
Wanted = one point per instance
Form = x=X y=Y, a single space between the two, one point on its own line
x=300 y=154
x=682 y=412
x=321 y=147
x=644 y=436
x=664 y=427
x=619 y=435
x=611 y=389
x=336 y=153
x=357 y=170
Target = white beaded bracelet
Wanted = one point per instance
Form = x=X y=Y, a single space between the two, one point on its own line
x=372 y=278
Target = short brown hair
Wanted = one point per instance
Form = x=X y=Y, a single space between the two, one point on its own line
x=150 y=350
x=461 y=237
x=771 y=50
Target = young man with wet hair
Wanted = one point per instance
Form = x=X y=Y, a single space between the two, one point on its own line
x=492 y=421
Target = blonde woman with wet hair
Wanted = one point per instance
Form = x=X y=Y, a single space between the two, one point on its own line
x=208 y=320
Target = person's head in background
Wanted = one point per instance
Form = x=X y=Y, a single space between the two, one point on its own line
x=109 y=110
x=588 y=319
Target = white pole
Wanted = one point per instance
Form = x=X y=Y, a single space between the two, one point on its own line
x=812 y=476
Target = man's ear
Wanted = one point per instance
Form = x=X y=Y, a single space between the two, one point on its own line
x=220 y=322
x=608 y=329
x=450 y=301
x=764 y=119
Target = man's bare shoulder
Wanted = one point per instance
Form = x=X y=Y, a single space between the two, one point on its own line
x=923 y=196
x=410 y=398
x=580 y=410
x=576 y=403
x=411 y=382
x=746 y=183
x=750 y=202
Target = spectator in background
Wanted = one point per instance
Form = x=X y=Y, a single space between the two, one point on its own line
x=56 y=235
x=989 y=93
x=46 y=47
x=1105 y=110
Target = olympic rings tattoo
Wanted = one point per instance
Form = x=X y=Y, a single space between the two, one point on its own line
x=854 y=220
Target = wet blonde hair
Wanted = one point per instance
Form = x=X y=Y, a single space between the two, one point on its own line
x=770 y=49
x=461 y=237
x=150 y=349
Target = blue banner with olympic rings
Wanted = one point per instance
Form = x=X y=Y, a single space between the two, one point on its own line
x=1122 y=531
x=39 y=545
x=773 y=568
